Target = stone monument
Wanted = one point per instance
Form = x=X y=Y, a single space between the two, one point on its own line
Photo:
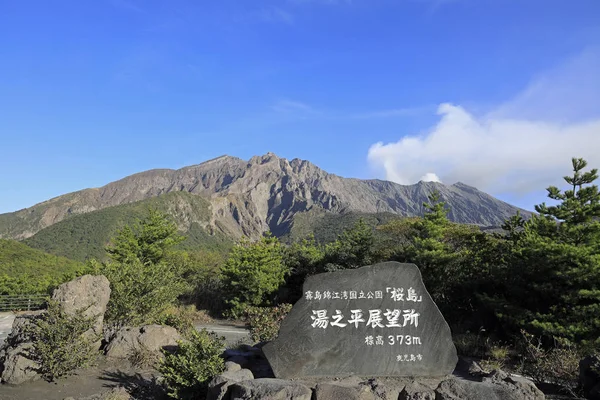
x=377 y=320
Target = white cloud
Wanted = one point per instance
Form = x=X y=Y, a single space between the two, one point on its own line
x=521 y=147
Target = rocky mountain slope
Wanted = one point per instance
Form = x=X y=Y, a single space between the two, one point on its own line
x=264 y=193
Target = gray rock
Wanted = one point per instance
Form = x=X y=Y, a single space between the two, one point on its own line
x=589 y=376
x=87 y=292
x=491 y=389
x=383 y=391
x=18 y=368
x=230 y=366
x=416 y=391
x=18 y=332
x=407 y=335
x=219 y=386
x=270 y=389
x=151 y=337
x=343 y=391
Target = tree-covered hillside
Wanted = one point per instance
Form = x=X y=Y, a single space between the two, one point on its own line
x=27 y=270
x=84 y=236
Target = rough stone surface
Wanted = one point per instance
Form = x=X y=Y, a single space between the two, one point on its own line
x=493 y=388
x=152 y=337
x=250 y=357
x=306 y=349
x=270 y=389
x=416 y=391
x=230 y=366
x=343 y=391
x=17 y=334
x=88 y=292
x=18 y=368
x=219 y=386
x=383 y=390
x=589 y=377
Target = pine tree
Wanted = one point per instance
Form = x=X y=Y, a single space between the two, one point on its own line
x=253 y=273
x=553 y=288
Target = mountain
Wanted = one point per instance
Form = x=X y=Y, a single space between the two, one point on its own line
x=84 y=236
x=246 y=198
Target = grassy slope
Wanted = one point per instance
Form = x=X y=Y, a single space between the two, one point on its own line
x=27 y=270
x=18 y=259
x=84 y=236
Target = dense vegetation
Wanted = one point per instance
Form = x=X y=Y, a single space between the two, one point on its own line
x=84 y=236
x=25 y=270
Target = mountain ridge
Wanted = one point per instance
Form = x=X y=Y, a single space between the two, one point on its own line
x=263 y=193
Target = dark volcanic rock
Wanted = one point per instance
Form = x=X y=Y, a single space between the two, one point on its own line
x=377 y=320
x=270 y=389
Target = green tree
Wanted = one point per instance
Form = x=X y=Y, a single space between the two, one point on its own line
x=302 y=258
x=144 y=282
x=553 y=285
x=354 y=248
x=253 y=273
x=149 y=241
x=455 y=260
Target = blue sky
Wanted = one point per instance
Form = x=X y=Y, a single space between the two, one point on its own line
x=499 y=94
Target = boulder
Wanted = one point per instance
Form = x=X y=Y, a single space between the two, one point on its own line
x=589 y=377
x=252 y=358
x=375 y=321
x=219 y=386
x=270 y=389
x=231 y=366
x=18 y=367
x=416 y=391
x=18 y=333
x=343 y=391
x=497 y=386
x=151 y=337
x=87 y=292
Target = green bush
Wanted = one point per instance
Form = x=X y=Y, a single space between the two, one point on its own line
x=144 y=280
x=180 y=318
x=264 y=322
x=186 y=372
x=253 y=274
x=140 y=292
x=62 y=343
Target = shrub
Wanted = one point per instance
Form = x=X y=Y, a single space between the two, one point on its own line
x=180 y=318
x=186 y=372
x=62 y=343
x=264 y=322
x=253 y=273
x=497 y=358
x=558 y=365
x=140 y=292
x=471 y=345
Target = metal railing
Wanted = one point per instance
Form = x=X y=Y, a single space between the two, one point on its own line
x=22 y=302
